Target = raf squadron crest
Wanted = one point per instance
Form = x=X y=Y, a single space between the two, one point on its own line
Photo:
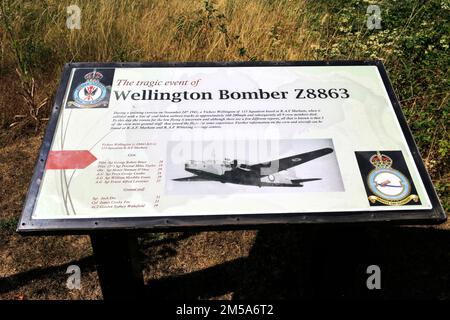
x=386 y=185
x=91 y=93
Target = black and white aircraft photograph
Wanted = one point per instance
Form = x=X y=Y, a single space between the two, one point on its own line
x=284 y=166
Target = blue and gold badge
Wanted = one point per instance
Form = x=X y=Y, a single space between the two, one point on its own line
x=94 y=92
x=91 y=92
x=386 y=185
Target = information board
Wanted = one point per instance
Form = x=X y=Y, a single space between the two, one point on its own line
x=142 y=145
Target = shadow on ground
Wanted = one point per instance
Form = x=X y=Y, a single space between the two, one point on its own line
x=300 y=262
x=325 y=262
x=46 y=282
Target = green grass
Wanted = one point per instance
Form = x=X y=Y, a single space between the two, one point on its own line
x=9 y=225
x=414 y=46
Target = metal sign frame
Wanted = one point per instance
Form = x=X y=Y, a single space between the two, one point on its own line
x=220 y=222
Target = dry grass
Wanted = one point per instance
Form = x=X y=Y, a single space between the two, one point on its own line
x=35 y=40
x=170 y=30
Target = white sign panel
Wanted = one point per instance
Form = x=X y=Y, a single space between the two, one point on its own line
x=212 y=140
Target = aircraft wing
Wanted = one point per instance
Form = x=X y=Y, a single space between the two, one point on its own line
x=299 y=181
x=193 y=178
x=278 y=165
x=295 y=183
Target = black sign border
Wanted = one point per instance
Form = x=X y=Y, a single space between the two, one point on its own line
x=28 y=225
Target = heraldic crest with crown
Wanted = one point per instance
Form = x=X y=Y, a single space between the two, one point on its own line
x=386 y=185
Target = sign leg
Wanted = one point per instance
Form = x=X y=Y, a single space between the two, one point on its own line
x=118 y=267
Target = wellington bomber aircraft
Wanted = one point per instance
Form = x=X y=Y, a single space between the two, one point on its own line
x=262 y=174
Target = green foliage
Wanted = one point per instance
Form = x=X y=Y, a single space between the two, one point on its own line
x=413 y=43
x=443 y=188
x=9 y=225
